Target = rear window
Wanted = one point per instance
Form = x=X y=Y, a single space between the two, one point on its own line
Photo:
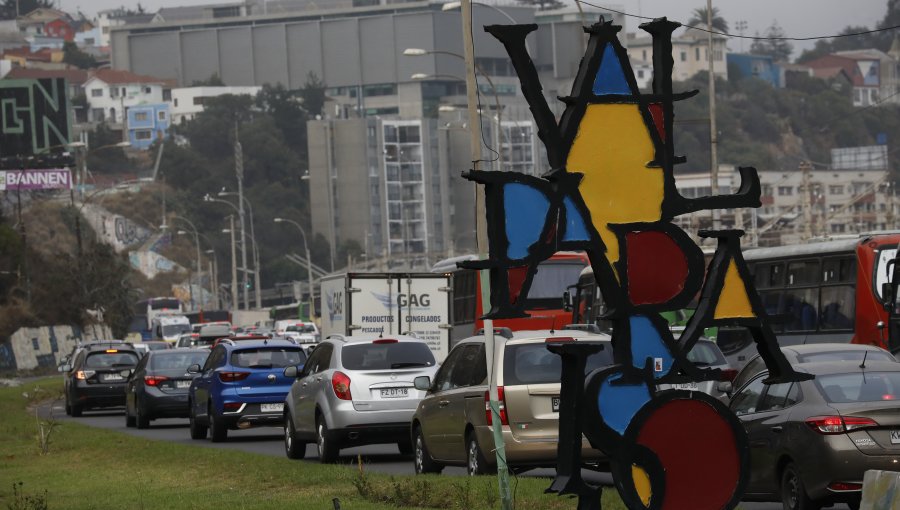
x=268 y=357
x=845 y=356
x=534 y=364
x=303 y=328
x=859 y=387
x=175 y=329
x=177 y=360
x=386 y=356
x=119 y=359
x=706 y=354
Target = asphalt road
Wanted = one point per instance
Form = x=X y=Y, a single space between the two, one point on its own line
x=268 y=441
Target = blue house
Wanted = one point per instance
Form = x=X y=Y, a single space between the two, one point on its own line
x=147 y=123
x=743 y=65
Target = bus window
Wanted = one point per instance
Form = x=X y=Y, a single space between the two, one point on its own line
x=881 y=270
x=838 y=307
x=550 y=281
x=836 y=270
x=464 y=289
x=773 y=302
x=769 y=275
x=803 y=272
x=801 y=306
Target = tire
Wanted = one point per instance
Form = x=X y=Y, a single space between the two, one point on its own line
x=325 y=443
x=476 y=463
x=422 y=459
x=217 y=430
x=793 y=493
x=405 y=447
x=198 y=431
x=293 y=447
x=141 y=419
x=854 y=504
x=76 y=410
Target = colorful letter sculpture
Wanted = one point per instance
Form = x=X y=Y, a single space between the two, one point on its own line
x=611 y=193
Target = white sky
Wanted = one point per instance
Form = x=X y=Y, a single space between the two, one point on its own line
x=798 y=18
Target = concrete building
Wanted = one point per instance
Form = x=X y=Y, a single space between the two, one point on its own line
x=188 y=101
x=873 y=74
x=689 y=50
x=109 y=93
x=147 y=123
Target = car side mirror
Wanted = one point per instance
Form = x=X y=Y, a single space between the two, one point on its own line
x=194 y=369
x=725 y=387
x=567 y=301
x=887 y=295
x=65 y=367
x=422 y=382
x=125 y=373
x=291 y=371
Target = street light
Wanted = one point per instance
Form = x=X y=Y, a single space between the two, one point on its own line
x=234 y=299
x=240 y=196
x=239 y=210
x=312 y=302
x=452 y=6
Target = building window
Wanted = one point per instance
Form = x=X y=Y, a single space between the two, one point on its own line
x=644 y=55
x=383 y=89
x=836 y=190
x=97 y=114
x=641 y=74
x=785 y=191
x=143 y=134
x=112 y=114
x=161 y=116
x=140 y=116
x=167 y=94
x=176 y=102
x=697 y=54
x=199 y=100
x=684 y=56
x=96 y=92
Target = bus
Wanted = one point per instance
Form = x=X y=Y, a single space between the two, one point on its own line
x=827 y=291
x=544 y=302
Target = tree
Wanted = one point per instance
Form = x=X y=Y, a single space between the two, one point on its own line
x=543 y=5
x=699 y=17
x=214 y=80
x=75 y=57
x=773 y=44
x=313 y=95
x=9 y=9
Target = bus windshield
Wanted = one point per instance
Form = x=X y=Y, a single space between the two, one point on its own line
x=882 y=275
x=552 y=279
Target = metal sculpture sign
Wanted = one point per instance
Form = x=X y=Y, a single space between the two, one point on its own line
x=34 y=116
x=611 y=192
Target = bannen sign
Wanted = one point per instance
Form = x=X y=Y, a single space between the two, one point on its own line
x=50 y=178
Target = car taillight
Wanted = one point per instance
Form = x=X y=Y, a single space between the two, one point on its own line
x=233 y=376
x=501 y=401
x=154 y=380
x=84 y=374
x=845 y=486
x=385 y=341
x=728 y=374
x=341 y=384
x=839 y=425
x=559 y=340
x=230 y=407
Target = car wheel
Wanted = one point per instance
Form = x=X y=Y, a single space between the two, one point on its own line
x=793 y=493
x=198 y=431
x=293 y=447
x=405 y=446
x=141 y=419
x=423 y=462
x=476 y=463
x=76 y=410
x=854 y=504
x=328 y=449
x=217 y=430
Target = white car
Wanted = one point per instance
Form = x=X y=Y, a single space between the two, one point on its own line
x=302 y=332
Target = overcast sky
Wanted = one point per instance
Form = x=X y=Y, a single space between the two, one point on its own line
x=798 y=18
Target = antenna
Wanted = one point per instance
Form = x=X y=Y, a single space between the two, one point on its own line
x=863 y=364
x=553 y=325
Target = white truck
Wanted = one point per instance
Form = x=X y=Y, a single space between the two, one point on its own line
x=389 y=304
x=169 y=327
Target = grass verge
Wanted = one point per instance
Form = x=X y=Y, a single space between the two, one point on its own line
x=93 y=468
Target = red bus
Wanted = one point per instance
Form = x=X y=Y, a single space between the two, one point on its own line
x=544 y=302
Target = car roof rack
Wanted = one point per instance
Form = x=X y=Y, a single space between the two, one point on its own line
x=504 y=332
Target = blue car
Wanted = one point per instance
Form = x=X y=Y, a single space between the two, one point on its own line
x=241 y=385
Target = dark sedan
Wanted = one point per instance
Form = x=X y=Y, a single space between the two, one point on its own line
x=811 y=442
x=159 y=386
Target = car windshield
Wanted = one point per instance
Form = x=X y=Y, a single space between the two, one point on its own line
x=177 y=360
x=706 y=354
x=114 y=359
x=534 y=364
x=859 y=386
x=386 y=356
x=157 y=346
x=175 y=329
x=302 y=328
x=268 y=357
x=856 y=355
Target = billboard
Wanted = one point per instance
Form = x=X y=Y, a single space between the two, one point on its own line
x=46 y=178
x=34 y=116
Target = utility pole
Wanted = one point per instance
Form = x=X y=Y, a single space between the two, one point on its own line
x=234 y=289
x=239 y=171
x=806 y=200
x=713 y=137
x=481 y=236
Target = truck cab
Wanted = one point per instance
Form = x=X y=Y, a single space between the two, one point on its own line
x=169 y=327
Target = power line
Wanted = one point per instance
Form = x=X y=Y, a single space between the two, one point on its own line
x=755 y=38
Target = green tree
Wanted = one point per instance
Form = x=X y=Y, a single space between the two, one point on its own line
x=313 y=95
x=9 y=8
x=214 y=80
x=773 y=44
x=75 y=57
x=108 y=160
x=699 y=17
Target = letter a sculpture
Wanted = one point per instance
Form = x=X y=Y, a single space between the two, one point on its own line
x=611 y=193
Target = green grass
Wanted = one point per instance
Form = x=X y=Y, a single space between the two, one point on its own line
x=93 y=468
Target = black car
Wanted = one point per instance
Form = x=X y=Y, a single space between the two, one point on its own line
x=158 y=388
x=97 y=375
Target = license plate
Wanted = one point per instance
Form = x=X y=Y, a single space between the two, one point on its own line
x=271 y=408
x=395 y=393
x=182 y=384
x=895 y=437
x=554 y=403
x=686 y=386
x=113 y=377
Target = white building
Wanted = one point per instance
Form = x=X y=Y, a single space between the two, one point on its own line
x=110 y=92
x=188 y=101
x=689 y=50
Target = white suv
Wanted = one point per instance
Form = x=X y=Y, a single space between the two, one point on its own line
x=353 y=391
